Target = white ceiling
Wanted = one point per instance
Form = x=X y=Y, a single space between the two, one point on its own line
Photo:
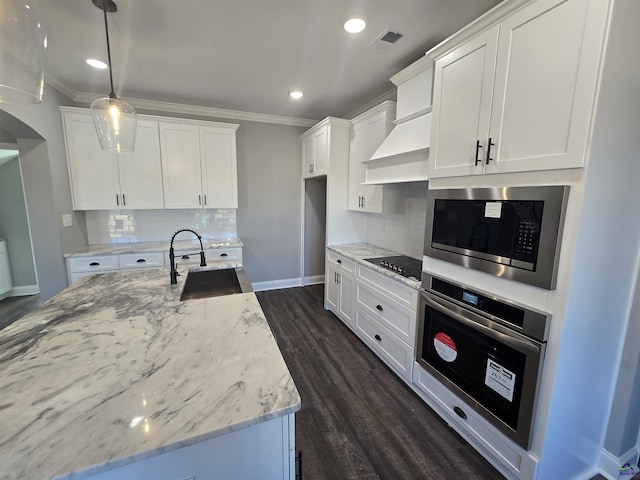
x=245 y=55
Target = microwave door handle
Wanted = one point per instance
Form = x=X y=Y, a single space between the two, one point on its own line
x=524 y=346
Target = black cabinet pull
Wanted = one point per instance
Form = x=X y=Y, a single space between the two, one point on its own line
x=379 y=307
x=185 y=257
x=224 y=254
x=140 y=260
x=478 y=160
x=378 y=337
x=117 y=200
x=460 y=412
x=199 y=199
x=338 y=261
x=124 y=200
x=205 y=199
x=94 y=264
x=489 y=145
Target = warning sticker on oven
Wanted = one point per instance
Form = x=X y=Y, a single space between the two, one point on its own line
x=500 y=379
x=445 y=347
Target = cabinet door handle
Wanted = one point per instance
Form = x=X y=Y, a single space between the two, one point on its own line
x=379 y=307
x=378 y=337
x=489 y=145
x=205 y=199
x=338 y=261
x=363 y=201
x=94 y=264
x=185 y=257
x=478 y=160
x=337 y=278
x=117 y=200
x=224 y=254
x=124 y=200
x=140 y=260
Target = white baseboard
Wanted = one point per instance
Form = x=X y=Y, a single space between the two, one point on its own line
x=23 y=290
x=609 y=464
x=313 y=280
x=276 y=284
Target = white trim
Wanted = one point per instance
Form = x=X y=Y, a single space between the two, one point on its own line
x=184 y=109
x=389 y=95
x=313 y=280
x=23 y=290
x=276 y=284
x=609 y=465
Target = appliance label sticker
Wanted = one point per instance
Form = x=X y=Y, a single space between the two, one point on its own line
x=493 y=209
x=500 y=379
x=445 y=347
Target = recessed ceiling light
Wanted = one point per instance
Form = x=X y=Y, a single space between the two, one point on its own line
x=296 y=95
x=96 y=63
x=355 y=25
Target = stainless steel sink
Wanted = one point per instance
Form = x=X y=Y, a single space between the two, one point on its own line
x=214 y=282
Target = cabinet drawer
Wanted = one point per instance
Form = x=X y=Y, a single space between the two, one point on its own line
x=399 y=319
x=393 y=351
x=93 y=264
x=141 y=260
x=224 y=255
x=394 y=289
x=345 y=264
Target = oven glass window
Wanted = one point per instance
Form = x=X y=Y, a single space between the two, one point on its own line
x=487 y=370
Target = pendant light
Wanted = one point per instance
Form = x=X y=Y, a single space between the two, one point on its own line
x=23 y=40
x=115 y=120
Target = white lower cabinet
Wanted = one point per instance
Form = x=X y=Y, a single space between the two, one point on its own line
x=80 y=267
x=379 y=309
x=339 y=286
x=139 y=261
x=213 y=256
x=265 y=450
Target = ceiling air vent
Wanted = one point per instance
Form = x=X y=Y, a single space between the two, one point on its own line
x=385 y=41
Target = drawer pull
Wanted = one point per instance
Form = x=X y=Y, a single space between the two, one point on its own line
x=185 y=257
x=94 y=264
x=460 y=412
x=338 y=261
x=379 y=307
x=224 y=254
x=378 y=337
x=140 y=260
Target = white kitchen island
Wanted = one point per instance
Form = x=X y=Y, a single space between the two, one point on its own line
x=115 y=377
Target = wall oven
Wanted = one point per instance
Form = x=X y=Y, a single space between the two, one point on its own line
x=511 y=232
x=486 y=350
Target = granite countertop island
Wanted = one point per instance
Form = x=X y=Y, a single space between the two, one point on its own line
x=116 y=369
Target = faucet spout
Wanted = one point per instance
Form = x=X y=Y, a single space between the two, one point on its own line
x=172 y=258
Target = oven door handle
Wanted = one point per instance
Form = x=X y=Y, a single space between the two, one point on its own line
x=451 y=310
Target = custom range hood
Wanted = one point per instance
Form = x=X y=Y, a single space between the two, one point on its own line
x=403 y=155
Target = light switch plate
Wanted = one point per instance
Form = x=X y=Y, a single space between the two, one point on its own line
x=67 y=220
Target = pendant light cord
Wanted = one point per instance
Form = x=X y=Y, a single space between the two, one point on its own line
x=106 y=29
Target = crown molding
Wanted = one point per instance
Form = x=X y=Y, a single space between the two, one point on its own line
x=184 y=109
x=58 y=85
x=388 y=95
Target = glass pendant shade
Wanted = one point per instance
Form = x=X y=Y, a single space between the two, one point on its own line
x=23 y=40
x=115 y=123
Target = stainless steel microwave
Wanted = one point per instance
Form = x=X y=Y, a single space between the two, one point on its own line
x=511 y=232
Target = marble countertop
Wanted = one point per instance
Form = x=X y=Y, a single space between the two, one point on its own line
x=359 y=251
x=148 y=247
x=116 y=369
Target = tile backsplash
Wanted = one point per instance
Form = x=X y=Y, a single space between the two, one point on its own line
x=117 y=226
x=402 y=232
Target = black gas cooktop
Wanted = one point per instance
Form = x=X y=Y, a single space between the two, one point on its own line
x=401 y=264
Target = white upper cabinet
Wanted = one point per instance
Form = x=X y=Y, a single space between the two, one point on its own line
x=103 y=180
x=199 y=165
x=368 y=132
x=519 y=95
x=315 y=151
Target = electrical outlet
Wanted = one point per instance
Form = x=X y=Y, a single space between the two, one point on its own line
x=67 y=220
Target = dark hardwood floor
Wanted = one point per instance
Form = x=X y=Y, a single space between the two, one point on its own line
x=358 y=420
x=13 y=308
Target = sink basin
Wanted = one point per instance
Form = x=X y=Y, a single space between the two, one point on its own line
x=210 y=282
